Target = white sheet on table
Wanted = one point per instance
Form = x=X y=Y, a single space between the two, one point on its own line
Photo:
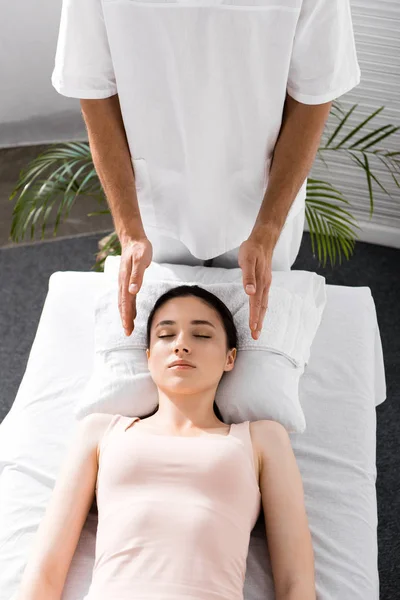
x=342 y=385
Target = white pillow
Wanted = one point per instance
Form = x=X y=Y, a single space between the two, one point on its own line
x=264 y=383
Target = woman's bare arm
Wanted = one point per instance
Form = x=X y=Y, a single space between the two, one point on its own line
x=59 y=531
x=286 y=524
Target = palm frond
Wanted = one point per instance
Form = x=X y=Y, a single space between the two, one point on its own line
x=109 y=246
x=370 y=176
x=388 y=164
x=331 y=226
x=370 y=135
x=391 y=130
x=356 y=129
x=340 y=126
x=321 y=157
x=337 y=107
x=360 y=151
x=66 y=166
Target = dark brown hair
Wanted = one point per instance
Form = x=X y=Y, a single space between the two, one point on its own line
x=223 y=311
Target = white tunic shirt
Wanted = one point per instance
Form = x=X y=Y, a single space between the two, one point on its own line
x=202 y=86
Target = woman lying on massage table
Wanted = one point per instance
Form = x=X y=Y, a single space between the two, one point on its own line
x=178 y=491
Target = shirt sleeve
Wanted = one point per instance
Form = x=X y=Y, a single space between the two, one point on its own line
x=323 y=64
x=83 y=64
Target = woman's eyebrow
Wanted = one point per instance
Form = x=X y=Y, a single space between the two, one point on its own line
x=194 y=322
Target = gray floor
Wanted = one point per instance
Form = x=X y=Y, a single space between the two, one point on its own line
x=24 y=273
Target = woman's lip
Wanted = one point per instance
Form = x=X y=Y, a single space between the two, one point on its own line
x=181 y=367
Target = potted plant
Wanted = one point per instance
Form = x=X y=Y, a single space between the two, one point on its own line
x=71 y=173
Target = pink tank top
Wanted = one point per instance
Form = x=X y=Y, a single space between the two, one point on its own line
x=174 y=514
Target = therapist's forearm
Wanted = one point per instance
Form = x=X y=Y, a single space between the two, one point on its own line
x=112 y=161
x=294 y=153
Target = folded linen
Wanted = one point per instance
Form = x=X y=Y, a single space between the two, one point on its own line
x=265 y=381
x=289 y=326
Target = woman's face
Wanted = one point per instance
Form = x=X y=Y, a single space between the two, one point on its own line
x=201 y=344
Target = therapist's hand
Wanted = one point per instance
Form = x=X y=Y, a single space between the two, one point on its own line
x=136 y=256
x=255 y=260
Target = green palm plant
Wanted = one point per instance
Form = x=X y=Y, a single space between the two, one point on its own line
x=330 y=224
x=71 y=173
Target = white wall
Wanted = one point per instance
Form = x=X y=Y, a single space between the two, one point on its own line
x=32 y=112
x=377 y=32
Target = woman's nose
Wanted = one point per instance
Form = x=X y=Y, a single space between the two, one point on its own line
x=181 y=344
x=181 y=347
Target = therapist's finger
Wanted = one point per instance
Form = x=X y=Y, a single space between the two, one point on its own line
x=263 y=309
x=255 y=304
x=126 y=301
x=264 y=278
x=248 y=266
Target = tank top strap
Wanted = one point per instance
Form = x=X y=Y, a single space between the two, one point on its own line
x=116 y=423
x=128 y=421
x=242 y=431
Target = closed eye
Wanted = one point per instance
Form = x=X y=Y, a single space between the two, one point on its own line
x=171 y=335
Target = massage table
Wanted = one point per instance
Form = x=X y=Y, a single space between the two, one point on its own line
x=342 y=384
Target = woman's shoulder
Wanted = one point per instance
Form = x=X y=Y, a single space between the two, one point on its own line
x=268 y=425
x=265 y=431
x=99 y=420
x=99 y=425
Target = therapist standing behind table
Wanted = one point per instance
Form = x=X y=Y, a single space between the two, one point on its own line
x=204 y=118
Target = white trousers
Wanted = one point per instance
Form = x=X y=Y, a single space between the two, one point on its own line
x=170 y=250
